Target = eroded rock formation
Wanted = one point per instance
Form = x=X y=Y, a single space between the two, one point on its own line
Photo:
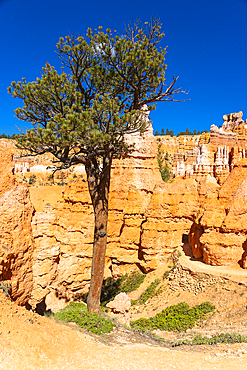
x=16 y=241
x=145 y=226
x=148 y=218
x=64 y=235
x=223 y=220
x=213 y=153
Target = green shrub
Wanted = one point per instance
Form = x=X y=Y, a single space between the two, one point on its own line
x=178 y=317
x=32 y=179
x=112 y=287
x=77 y=312
x=149 y=292
x=166 y=274
x=131 y=282
x=222 y=338
x=164 y=169
x=5 y=288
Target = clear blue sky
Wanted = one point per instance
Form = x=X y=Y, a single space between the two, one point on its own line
x=207 y=49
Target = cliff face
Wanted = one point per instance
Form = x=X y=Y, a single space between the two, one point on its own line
x=213 y=153
x=223 y=241
x=16 y=241
x=65 y=234
x=7 y=179
x=217 y=161
x=148 y=218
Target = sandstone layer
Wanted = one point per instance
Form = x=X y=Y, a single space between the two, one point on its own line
x=16 y=241
x=223 y=221
x=148 y=219
x=64 y=234
x=7 y=179
x=213 y=153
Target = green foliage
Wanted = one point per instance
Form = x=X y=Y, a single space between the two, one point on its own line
x=131 y=282
x=222 y=338
x=178 y=318
x=164 y=170
x=106 y=81
x=149 y=293
x=188 y=132
x=166 y=274
x=49 y=313
x=3 y=136
x=112 y=287
x=32 y=179
x=127 y=283
x=162 y=133
x=165 y=173
x=5 y=288
x=77 y=312
x=171 y=133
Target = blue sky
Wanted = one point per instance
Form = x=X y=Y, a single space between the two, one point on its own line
x=207 y=49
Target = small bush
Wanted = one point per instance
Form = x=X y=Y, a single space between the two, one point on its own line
x=5 y=288
x=149 y=292
x=32 y=179
x=112 y=287
x=77 y=312
x=166 y=274
x=164 y=169
x=131 y=282
x=178 y=318
x=222 y=338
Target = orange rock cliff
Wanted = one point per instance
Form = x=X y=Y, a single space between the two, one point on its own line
x=213 y=153
x=16 y=240
x=46 y=256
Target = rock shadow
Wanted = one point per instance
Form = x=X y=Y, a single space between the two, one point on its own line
x=191 y=243
x=243 y=262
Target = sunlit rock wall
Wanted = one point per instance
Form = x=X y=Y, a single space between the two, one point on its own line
x=16 y=241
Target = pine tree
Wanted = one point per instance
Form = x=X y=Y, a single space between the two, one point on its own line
x=81 y=115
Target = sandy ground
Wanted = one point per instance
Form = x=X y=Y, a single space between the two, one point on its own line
x=32 y=342
x=28 y=341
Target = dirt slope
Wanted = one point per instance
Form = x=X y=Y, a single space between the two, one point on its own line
x=31 y=342
x=28 y=341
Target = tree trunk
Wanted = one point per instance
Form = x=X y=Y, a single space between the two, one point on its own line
x=99 y=184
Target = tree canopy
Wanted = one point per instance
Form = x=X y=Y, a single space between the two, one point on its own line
x=4 y=136
x=105 y=80
x=171 y=133
x=82 y=114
